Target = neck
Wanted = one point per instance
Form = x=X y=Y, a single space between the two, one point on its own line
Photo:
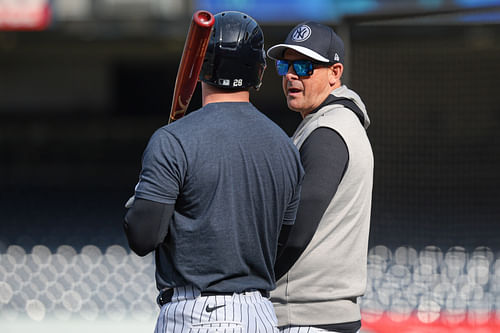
x=325 y=95
x=211 y=94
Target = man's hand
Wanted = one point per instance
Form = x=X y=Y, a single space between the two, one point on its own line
x=130 y=202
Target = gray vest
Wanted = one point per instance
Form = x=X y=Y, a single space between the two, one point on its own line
x=331 y=273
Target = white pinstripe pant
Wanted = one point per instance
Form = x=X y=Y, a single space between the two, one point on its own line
x=238 y=313
x=302 y=329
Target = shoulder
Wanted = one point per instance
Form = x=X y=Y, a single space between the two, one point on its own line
x=323 y=135
x=324 y=141
x=163 y=142
x=339 y=118
x=162 y=134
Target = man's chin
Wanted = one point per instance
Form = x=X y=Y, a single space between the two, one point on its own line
x=293 y=106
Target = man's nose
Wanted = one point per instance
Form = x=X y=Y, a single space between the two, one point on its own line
x=291 y=75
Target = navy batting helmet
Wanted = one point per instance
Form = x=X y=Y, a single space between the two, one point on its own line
x=235 y=57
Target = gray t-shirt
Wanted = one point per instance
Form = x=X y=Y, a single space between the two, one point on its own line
x=234 y=177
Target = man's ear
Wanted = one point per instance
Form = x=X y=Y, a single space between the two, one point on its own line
x=335 y=73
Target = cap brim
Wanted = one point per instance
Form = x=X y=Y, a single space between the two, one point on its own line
x=276 y=52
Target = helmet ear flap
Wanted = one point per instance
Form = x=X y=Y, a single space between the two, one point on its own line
x=235 y=57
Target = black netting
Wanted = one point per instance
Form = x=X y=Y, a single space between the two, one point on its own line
x=432 y=94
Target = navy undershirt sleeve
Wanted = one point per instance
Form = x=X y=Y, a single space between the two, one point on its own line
x=324 y=156
x=146 y=225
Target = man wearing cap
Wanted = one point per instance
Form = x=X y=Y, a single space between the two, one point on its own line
x=321 y=262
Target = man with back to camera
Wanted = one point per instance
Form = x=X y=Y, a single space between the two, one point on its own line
x=214 y=190
x=322 y=258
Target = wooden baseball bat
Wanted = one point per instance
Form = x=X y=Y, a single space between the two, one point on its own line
x=193 y=54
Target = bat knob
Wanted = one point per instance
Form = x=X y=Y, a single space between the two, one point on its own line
x=204 y=18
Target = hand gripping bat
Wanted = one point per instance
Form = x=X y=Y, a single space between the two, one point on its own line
x=193 y=54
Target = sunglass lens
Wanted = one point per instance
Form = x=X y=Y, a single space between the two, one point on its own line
x=282 y=67
x=302 y=67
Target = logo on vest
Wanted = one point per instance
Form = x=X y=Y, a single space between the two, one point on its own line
x=302 y=33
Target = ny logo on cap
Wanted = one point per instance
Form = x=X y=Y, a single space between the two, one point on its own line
x=302 y=33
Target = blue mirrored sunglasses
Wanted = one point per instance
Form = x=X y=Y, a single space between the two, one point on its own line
x=301 y=67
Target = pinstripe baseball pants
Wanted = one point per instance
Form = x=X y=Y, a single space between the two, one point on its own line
x=302 y=329
x=247 y=312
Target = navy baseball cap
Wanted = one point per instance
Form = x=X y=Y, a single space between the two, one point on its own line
x=314 y=40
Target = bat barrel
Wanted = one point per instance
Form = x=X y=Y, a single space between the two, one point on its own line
x=193 y=54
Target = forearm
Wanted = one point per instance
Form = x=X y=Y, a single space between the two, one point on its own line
x=146 y=225
x=294 y=239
